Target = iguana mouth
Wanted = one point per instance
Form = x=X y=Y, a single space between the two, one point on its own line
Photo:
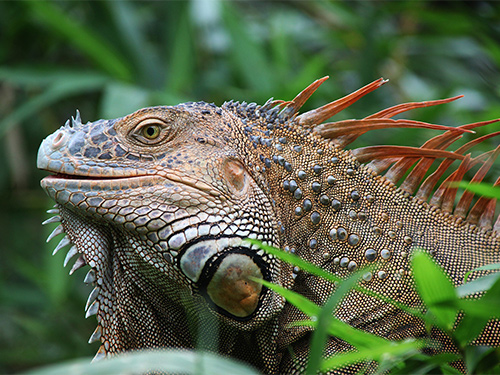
x=74 y=177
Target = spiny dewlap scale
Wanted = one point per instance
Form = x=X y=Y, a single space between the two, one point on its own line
x=158 y=204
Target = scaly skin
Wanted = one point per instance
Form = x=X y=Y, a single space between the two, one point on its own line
x=158 y=202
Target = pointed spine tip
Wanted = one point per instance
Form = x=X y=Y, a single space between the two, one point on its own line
x=92 y=310
x=90 y=277
x=80 y=262
x=59 y=230
x=101 y=354
x=64 y=242
x=92 y=297
x=71 y=253
x=53 y=219
x=96 y=336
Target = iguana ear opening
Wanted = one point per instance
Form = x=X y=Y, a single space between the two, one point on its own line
x=236 y=176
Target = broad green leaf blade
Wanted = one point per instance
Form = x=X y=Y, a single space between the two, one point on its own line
x=477 y=312
x=356 y=337
x=371 y=354
x=298 y=300
x=247 y=54
x=37 y=76
x=478 y=285
x=181 y=69
x=296 y=261
x=480 y=189
x=435 y=289
x=93 y=46
x=486 y=267
x=169 y=361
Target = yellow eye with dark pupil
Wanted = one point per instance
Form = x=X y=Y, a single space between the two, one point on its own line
x=151 y=131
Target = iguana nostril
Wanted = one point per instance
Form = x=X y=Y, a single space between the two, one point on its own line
x=231 y=287
x=58 y=141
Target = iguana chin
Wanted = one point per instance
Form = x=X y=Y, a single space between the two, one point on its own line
x=158 y=203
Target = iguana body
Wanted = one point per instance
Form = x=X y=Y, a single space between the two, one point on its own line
x=157 y=204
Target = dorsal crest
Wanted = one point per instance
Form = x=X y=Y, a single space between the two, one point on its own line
x=395 y=162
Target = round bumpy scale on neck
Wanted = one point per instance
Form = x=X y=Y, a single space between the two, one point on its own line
x=297 y=194
x=352 y=266
x=385 y=254
x=336 y=204
x=341 y=234
x=317 y=169
x=313 y=244
x=355 y=195
x=353 y=239
x=382 y=275
x=367 y=277
x=370 y=255
x=315 y=217
x=231 y=287
x=307 y=205
x=333 y=234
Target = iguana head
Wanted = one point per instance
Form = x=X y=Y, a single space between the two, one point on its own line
x=165 y=193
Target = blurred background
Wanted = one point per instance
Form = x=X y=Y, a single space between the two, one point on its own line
x=108 y=59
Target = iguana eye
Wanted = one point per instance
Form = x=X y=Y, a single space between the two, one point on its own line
x=150 y=131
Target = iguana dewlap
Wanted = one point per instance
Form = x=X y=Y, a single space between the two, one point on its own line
x=158 y=203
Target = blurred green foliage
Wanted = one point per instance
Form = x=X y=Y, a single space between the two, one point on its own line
x=110 y=58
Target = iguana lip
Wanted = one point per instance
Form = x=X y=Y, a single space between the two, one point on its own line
x=63 y=176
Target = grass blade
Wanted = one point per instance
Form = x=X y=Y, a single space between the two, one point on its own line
x=93 y=46
x=435 y=289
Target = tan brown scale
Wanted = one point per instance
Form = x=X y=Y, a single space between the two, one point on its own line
x=158 y=204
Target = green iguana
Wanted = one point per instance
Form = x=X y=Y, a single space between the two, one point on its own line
x=158 y=203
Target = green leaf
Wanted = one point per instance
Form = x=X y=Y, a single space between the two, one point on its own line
x=181 y=68
x=487 y=267
x=247 y=54
x=298 y=300
x=478 y=285
x=141 y=362
x=376 y=353
x=435 y=289
x=477 y=312
x=479 y=188
x=92 y=45
x=336 y=327
x=125 y=15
